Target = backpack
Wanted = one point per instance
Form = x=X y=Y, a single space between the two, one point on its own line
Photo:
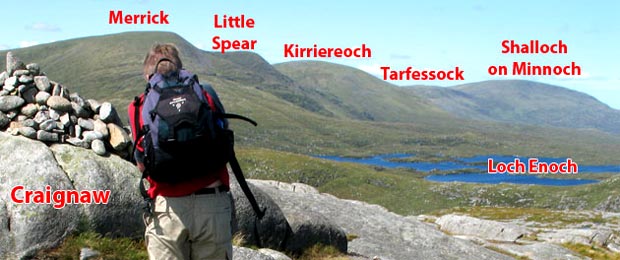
x=181 y=126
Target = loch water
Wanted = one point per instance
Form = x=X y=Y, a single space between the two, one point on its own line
x=475 y=169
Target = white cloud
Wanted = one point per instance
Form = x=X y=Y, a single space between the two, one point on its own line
x=43 y=27
x=24 y=44
x=4 y=47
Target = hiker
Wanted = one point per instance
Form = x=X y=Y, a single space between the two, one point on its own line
x=190 y=218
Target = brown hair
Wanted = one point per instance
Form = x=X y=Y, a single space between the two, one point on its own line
x=153 y=62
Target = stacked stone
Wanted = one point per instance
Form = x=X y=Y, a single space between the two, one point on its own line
x=38 y=108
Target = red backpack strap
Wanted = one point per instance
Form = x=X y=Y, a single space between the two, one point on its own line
x=209 y=100
x=134 y=111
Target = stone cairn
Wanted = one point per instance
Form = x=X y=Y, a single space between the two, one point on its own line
x=33 y=106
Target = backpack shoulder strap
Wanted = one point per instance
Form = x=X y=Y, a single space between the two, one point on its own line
x=134 y=111
x=213 y=95
x=214 y=101
x=135 y=121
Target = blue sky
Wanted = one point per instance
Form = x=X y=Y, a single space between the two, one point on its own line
x=423 y=34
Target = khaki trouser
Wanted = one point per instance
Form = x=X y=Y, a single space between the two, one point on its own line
x=190 y=227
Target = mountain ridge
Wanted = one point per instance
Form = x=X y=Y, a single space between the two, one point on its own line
x=358 y=116
x=351 y=93
x=525 y=102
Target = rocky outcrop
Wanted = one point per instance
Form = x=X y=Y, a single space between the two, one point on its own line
x=485 y=229
x=592 y=237
x=276 y=255
x=30 y=227
x=375 y=232
x=244 y=253
x=288 y=231
x=26 y=228
x=45 y=130
x=312 y=228
x=531 y=239
x=88 y=171
x=612 y=203
x=36 y=107
x=298 y=216
x=538 y=251
x=271 y=231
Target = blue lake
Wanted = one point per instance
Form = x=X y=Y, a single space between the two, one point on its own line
x=479 y=164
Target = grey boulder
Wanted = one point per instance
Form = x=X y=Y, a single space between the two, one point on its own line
x=273 y=229
x=8 y=103
x=244 y=253
x=376 y=231
x=88 y=171
x=312 y=228
x=26 y=229
x=31 y=227
x=485 y=229
x=538 y=251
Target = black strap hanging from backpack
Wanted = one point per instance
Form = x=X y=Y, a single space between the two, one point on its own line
x=234 y=165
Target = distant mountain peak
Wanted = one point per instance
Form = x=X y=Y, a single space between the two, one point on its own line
x=524 y=102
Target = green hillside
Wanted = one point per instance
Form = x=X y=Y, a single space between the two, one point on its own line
x=308 y=107
x=520 y=101
x=351 y=93
x=109 y=67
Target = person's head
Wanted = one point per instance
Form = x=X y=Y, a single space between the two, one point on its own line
x=163 y=58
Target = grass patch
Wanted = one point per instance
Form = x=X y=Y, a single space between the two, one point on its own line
x=590 y=176
x=322 y=252
x=593 y=252
x=109 y=248
x=351 y=237
x=539 y=215
x=238 y=239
